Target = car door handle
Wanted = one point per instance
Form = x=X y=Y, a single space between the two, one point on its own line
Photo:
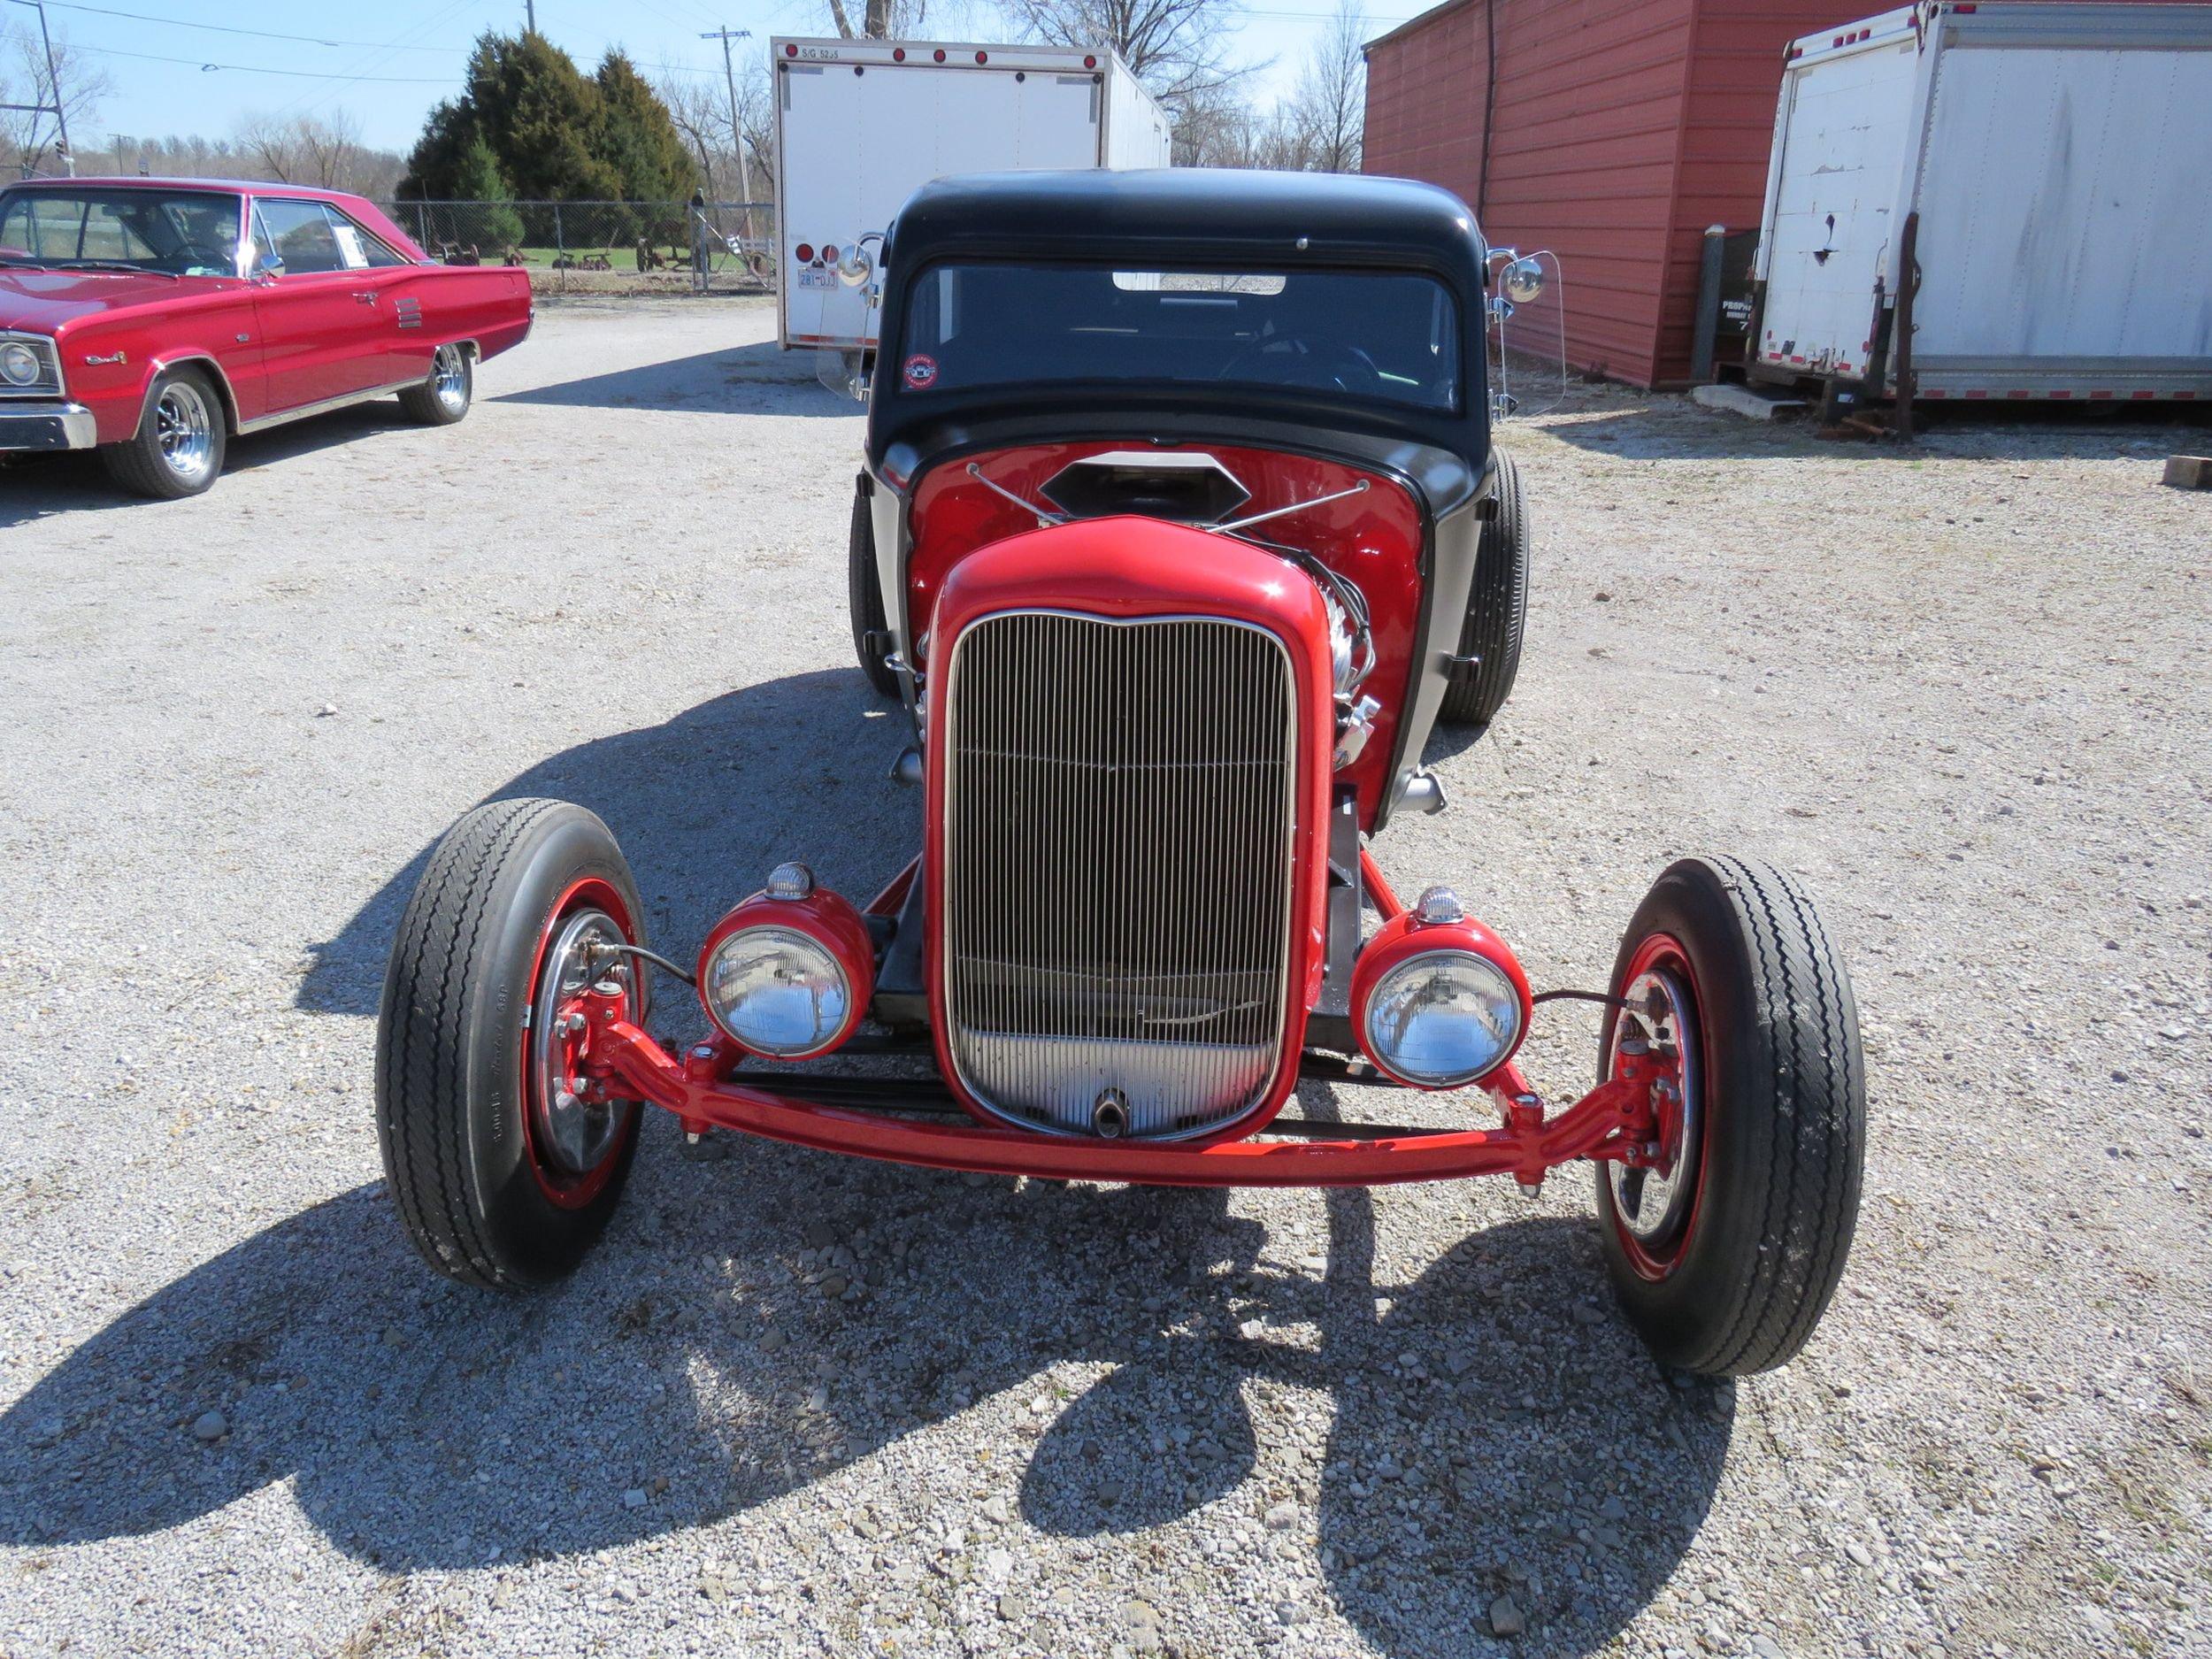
x=367 y=296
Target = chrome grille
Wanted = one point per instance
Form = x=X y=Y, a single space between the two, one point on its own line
x=1117 y=846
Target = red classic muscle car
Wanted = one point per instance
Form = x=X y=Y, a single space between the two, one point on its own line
x=155 y=318
x=1180 y=530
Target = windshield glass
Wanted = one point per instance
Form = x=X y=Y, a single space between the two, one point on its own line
x=183 y=233
x=1387 y=335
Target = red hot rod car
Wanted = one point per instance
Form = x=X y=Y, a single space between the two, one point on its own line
x=155 y=318
x=1180 y=529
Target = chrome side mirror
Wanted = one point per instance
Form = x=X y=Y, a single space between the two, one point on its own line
x=856 y=267
x=268 y=266
x=1523 y=281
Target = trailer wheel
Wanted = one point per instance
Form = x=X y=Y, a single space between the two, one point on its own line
x=872 y=634
x=1725 y=1251
x=502 y=1172
x=1497 y=610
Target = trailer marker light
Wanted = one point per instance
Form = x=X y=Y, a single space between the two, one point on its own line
x=829 y=255
x=898 y=54
x=1089 y=62
x=790 y=51
x=941 y=54
x=983 y=57
x=803 y=253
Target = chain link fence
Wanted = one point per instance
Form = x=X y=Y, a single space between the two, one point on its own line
x=605 y=247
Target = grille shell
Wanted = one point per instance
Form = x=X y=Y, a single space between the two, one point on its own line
x=1119 y=845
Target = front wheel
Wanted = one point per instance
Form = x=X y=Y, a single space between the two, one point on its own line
x=446 y=392
x=504 y=1158
x=178 y=448
x=1726 y=1250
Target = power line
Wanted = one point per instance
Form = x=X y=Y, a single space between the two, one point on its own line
x=225 y=29
x=261 y=69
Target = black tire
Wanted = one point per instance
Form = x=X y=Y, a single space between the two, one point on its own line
x=1740 y=1287
x=446 y=392
x=145 y=465
x=453 y=1093
x=1497 y=610
x=864 y=596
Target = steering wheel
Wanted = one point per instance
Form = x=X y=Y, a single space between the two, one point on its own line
x=1326 y=365
x=201 y=253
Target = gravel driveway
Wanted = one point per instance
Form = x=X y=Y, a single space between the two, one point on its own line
x=800 y=1405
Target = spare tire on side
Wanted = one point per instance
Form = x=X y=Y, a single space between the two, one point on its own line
x=1497 y=610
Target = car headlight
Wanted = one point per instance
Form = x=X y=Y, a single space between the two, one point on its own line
x=21 y=365
x=778 y=991
x=1442 y=1017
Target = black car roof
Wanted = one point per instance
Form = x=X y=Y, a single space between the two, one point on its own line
x=1183 y=218
x=1195 y=214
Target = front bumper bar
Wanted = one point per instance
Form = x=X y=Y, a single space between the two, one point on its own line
x=46 y=425
x=1612 y=1121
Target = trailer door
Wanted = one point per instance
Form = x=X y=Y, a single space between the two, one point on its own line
x=856 y=145
x=2064 y=240
x=1842 y=142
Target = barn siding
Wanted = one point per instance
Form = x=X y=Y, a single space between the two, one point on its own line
x=1624 y=128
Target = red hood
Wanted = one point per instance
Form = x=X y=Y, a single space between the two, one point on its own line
x=43 y=300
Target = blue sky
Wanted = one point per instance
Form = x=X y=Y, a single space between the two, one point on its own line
x=183 y=66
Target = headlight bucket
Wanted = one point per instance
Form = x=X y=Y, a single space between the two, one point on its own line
x=1439 y=1004
x=788 y=979
x=21 y=366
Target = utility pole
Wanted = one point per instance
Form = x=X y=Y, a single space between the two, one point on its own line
x=53 y=85
x=726 y=35
x=530 y=16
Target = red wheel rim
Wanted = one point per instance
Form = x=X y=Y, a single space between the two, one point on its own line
x=1655 y=1252
x=573 y=1189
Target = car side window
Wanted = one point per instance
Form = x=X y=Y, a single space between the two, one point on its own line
x=362 y=247
x=299 y=234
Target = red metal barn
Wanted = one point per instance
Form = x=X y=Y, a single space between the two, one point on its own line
x=1617 y=132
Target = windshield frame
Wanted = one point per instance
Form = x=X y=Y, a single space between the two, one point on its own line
x=89 y=191
x=1149 y=262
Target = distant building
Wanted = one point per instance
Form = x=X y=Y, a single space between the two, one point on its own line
x=1620 y=130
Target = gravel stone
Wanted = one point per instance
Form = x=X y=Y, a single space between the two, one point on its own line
x=210 y=1426
x=621 y=580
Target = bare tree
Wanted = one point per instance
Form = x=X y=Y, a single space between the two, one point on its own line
x=1328 y=109
x=699 y=106
x=324 y=151
x=31 y=139
x=1180 y=48
x=885 y=19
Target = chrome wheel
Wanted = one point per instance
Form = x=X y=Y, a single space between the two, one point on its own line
x=449 y=378
x=572 y=1132
x=184 y=430
x=1654 y=1202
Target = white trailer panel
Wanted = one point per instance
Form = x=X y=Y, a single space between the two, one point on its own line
x=862 y=125
x=2055 y=156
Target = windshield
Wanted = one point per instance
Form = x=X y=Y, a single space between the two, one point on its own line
x=181 y=233
x=1388 y=335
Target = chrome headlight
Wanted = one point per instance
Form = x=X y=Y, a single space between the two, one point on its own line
x=1442 y=1018
x=778 y=991
x=21 y=365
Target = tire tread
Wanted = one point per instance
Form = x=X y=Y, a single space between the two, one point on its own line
x=422 y=1060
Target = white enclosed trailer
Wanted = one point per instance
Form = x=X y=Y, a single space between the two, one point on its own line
x=2047 y=166
x=862 y=125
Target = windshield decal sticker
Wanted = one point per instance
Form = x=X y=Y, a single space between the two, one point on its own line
x=921 y=373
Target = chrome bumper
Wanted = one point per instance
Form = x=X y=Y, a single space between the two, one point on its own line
x=46 y=426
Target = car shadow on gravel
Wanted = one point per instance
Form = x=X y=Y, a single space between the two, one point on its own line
x=1491 y=1429
x=40 y=486
x=703 y=805
x=737 y=380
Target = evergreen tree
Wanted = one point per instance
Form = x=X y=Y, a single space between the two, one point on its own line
x=638 y=138
x=479 y=179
